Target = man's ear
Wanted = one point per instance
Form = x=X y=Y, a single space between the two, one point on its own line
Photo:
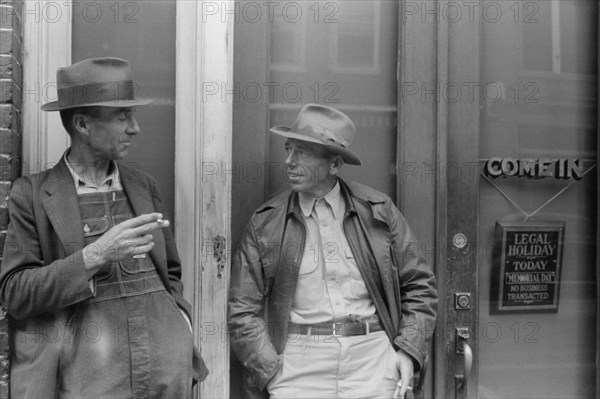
x=81 y=124
x=335 y=165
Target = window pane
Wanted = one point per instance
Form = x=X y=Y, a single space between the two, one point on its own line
x=143 y=33
x=546 y=66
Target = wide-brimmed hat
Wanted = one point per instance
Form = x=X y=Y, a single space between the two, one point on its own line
x=95 y=82
x=323 y=125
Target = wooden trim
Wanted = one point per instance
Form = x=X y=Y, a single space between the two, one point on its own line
x=204 y=59
x=444 y=337
x=46 y=47
x=435 y=133
x=422 y=131
x=462 y=199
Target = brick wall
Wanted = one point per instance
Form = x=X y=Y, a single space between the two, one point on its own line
x=11 y=35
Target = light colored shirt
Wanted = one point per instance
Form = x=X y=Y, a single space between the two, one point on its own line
x=330 y=286
x=92 y=184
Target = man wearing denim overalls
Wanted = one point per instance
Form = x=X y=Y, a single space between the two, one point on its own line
x=90 y=273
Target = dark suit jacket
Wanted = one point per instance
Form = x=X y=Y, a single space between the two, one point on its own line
x=42 y=274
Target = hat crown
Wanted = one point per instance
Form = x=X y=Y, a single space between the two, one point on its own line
x=93 y=70
x=327 y=124
x=95 y=82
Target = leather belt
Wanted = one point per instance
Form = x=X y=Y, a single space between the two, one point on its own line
x=336 y=329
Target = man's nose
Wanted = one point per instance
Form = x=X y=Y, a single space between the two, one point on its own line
x=133 y=127
x=291 y=155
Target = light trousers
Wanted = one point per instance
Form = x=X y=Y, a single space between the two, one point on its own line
x=319 y=366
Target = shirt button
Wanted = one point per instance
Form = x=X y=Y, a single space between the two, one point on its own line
x=332 y=277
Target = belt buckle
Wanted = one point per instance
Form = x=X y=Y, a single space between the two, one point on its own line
x=335 y=334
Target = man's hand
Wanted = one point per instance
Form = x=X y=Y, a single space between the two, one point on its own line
x=406 y=367
x=125 y=240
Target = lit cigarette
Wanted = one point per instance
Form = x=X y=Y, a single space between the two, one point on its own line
x=139 y=256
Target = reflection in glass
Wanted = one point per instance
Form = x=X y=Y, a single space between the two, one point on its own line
x=341 y=54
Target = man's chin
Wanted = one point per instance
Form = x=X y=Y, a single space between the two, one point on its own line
x=295 y=185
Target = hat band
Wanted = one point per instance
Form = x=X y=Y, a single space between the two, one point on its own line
x=320 y=133
x=93 y=93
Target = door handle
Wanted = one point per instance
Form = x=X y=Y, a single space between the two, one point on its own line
x=468 y=357
x=463 y=348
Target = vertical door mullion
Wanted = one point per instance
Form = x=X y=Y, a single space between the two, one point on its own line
x=461 y=175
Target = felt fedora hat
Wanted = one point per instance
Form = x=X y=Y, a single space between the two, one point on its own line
x=323 y=125
x=95 y=82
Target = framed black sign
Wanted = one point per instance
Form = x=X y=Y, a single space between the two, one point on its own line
x=527 y=266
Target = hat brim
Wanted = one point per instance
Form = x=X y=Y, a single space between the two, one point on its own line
x=346 y=155
x=55 y=106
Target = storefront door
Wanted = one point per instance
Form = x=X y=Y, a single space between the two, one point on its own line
x=518 y=213
x=341 y=54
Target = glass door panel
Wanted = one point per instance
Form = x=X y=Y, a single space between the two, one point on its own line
x=538 y=118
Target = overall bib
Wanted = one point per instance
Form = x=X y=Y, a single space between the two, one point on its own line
x=130 y=340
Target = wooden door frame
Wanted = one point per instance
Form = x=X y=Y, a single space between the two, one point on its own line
x=46 y=47
x=203 y=148
x=421 y=126
x=434 y=135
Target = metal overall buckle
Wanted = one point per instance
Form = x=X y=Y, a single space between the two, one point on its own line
x=335 y=334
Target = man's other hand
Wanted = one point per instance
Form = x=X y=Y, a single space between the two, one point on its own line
x=406 y=368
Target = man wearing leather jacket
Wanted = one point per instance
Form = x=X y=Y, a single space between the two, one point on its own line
x=329 y=295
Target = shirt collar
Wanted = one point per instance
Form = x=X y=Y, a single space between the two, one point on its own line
x=333 y=198
x=112 y=179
